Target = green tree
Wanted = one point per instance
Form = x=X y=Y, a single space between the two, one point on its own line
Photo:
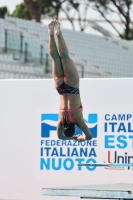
x=4 y=11
x=47 y=10
x=34 y=9
x=58 y=6
x=55 y=4
x=66 y=7
x=81 y=12
x=122 y=8
x=21 y=11
x=130 y=34
x=45 y=7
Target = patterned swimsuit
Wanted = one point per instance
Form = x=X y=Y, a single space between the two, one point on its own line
x=65 y=88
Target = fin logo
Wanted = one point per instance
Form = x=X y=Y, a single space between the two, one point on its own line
x=92 y=124
x=49 y=123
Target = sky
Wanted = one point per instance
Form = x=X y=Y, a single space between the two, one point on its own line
x=10 y=4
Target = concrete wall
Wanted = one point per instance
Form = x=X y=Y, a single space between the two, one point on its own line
x=27 y=104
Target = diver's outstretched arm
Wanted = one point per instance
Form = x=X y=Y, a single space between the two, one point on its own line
x=82 y=125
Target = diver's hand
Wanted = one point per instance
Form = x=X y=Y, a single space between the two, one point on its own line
x=76 y=136
x=81 y=138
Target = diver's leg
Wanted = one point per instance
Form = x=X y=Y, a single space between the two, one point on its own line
x=70 y=72
x=57 y=70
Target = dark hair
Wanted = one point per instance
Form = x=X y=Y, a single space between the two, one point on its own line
x=69 y=128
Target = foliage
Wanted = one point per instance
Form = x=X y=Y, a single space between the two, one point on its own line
x=53 y=5
x=21 y=11
x=4 y=11
x=130 y=35
x=33 y=9
x=78 y=9
x=47 y=10
x=28 y=12
x=122 y=8
x=80 y=12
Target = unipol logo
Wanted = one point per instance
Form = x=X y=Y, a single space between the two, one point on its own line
x=49 y=123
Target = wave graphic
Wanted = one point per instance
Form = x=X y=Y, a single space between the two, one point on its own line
x=54 y=123
x=50 y=122
x=90 y=125
x=48 y=125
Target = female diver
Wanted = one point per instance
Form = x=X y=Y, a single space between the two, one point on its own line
x=66 y=80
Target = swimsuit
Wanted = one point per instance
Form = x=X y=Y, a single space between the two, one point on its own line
x=68 y=114
x=65 y=88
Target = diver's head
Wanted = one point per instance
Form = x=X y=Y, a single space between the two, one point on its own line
x=69 y=128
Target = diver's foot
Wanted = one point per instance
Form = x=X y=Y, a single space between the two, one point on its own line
x=51 y=26
x=57 y=28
